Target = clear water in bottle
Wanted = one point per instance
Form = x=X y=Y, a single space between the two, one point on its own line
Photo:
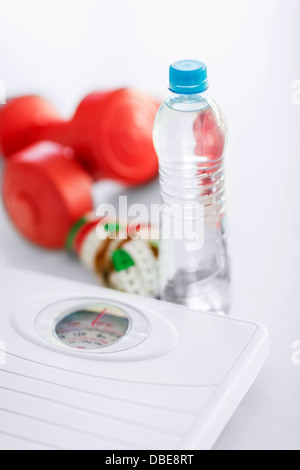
x=190 y=139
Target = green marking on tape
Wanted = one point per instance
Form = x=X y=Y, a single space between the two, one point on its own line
x=122 y=260
x=73 y=232
x=112 y=227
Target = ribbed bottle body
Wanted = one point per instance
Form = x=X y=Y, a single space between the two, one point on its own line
x=190 y=139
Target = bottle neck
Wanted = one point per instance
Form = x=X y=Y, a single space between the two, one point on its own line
x=190 y=97
x=188 y=102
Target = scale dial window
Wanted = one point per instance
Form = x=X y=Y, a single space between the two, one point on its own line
x=91 y=327
x=94 y=327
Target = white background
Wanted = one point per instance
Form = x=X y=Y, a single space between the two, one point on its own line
x=66 y=48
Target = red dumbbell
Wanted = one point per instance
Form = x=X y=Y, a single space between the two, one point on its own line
x=47 y=195
x=110 y=132
x=45 y=191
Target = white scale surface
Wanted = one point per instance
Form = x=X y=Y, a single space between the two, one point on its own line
x=172 y=382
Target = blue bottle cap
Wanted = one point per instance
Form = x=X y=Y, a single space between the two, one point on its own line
x=188 y=77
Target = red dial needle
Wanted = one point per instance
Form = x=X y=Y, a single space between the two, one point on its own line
x=99 y=317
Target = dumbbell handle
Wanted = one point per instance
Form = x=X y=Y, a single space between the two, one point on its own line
x=56 y=131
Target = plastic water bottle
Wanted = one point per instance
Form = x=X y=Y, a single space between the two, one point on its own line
x=190 y=139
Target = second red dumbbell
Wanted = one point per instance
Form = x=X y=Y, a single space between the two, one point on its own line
x=111 y=132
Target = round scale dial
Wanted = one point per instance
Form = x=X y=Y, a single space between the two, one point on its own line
x=94 y=327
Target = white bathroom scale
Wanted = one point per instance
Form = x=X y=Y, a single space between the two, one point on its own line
x=88 y=368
